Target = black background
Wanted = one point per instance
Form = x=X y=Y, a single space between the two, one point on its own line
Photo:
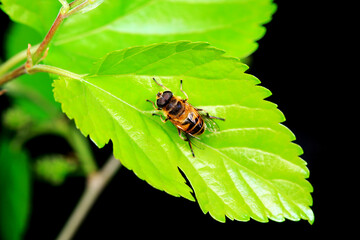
x=288 y=62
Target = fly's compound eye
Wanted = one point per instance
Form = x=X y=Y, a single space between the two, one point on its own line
x=160 y=102
x=164 y=99
x=167 y=95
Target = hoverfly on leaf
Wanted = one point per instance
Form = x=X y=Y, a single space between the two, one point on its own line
x=189 y=121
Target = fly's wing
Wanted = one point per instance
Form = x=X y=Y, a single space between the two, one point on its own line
x=210 y=124
x=190 y=138
x=195 y=141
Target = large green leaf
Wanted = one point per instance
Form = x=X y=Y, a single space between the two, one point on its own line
x=15 y=191
x=250 y=168
x=39 y=14
x=232 y=25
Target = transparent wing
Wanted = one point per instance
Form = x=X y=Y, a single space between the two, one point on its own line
x=210 y=124
x=195 y=141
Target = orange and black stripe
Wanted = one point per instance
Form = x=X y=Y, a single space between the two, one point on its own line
x=184 y=116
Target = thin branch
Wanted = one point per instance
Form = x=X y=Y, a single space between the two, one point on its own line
x=13 y=74
x=96 y=184
x=45 y=43
x=15 y=60
x=65 y=6
x=82 y=149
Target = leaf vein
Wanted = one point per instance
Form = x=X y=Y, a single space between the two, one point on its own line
x=267 y=153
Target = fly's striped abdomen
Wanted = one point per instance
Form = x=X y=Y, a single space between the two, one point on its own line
x=196 y=126
x=184 y=116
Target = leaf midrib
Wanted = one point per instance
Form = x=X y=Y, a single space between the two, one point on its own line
x=110 y=94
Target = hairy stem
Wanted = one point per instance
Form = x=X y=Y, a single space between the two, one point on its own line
x=96 y=184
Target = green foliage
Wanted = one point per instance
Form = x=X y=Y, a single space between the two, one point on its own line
x=36 y=14
x=15 y=119
x=54 y=168
x=232 y=25
x=248 y=169
x=15 y=191
x=31 y=93
x=116 y=24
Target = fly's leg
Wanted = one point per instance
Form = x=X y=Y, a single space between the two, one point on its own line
x=161 y=117
x=187 y=139
x=156 y=114
x=193 y=136
x=207 y=114
x=156 y=108
x=183 y=92
x=179 y=132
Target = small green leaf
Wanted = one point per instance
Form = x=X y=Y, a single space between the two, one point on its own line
x=54 y=168
x=250 y=168
x=16 y=119
x=15 y=191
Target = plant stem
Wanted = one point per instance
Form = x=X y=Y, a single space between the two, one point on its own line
x=82 y=149
x=96 y=184
x=37 y=56
x=45 y=43
x=54 y=70
x=38 y=68
x=77 y=5
x=13 y=74
x=65 y=6
x=15 y=60
x=66 y=11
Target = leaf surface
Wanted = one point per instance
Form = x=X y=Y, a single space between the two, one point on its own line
x=38 y=14
x=250 y=168
x=233 y=25
x=15 y=191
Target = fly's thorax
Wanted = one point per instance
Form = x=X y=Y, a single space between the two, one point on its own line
x=171 y=104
